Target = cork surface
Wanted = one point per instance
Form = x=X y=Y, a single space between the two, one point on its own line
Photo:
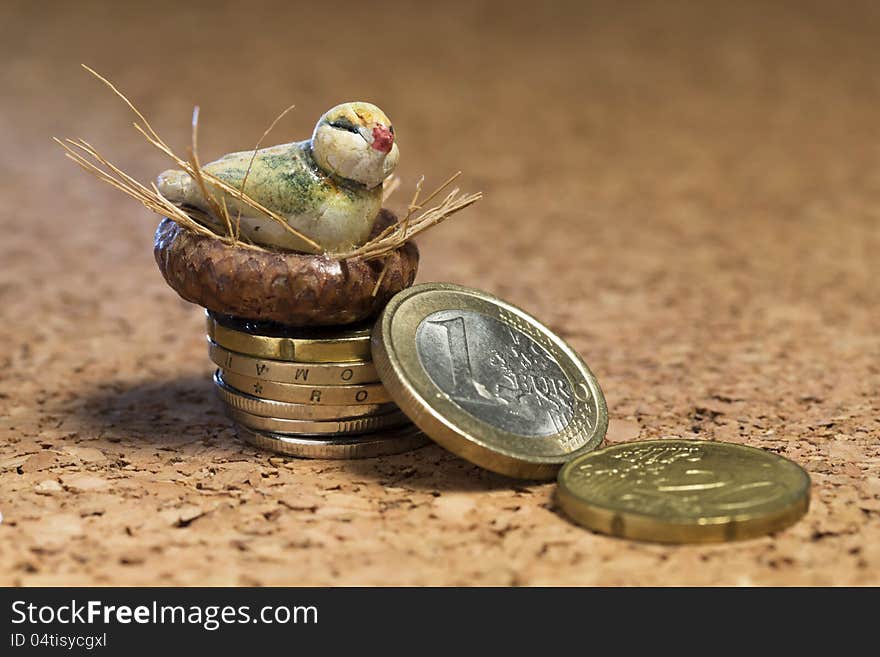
x=688 y=193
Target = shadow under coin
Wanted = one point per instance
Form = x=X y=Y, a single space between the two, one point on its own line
x=168 y=414
x=432 y=468
x=184 y=414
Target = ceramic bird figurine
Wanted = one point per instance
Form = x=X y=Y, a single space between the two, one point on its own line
x=328 y=187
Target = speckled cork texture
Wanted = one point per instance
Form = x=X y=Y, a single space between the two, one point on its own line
x=689 y=194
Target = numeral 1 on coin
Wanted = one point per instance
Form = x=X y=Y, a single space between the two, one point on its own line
x=456 y=338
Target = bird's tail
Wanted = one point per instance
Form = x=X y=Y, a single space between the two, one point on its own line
x=178 y=187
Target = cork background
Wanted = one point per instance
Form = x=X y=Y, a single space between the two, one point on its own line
x=688 y=192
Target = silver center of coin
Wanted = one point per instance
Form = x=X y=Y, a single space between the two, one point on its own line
x=495 y=372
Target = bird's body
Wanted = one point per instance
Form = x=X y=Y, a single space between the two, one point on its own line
x=328 y=188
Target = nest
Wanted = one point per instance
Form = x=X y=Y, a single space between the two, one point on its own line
x=289 y=288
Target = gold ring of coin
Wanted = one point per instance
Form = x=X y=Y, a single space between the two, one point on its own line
x=374 y=393
x=322 y=374
x=385 y=444
x=487 y=380
x=269 y=408
x=683 y=491
x=304 y=345
x=356 y=425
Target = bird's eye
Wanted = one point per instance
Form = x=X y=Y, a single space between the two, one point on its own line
x=391 y=129
x=343 y=124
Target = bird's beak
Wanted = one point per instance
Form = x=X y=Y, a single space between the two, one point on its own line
x=383 y=139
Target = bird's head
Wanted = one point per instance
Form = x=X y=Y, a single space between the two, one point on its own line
x=355 y=141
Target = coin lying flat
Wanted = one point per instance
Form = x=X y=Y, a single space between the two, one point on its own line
x=355 y=425
x=683 y=491
x=269 y=408
x=372 y=393
x=314 y=345
x=321 y=374
x=487 y=381
x=393 y=441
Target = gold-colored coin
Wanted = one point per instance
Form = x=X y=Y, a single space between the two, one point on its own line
x=316 y=345
x=384 y=443
x=321 y=374
x=374 y=393
x=683 y=491
x=488 y=381
x=355 y=425
x=270 y=408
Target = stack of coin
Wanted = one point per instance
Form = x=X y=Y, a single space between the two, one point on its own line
x=306 y=392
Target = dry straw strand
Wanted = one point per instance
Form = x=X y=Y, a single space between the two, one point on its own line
x=398 y=234
x=155 y=140
x=381 y=246
x=391 y=185
x=251 y=163
x=218 y=209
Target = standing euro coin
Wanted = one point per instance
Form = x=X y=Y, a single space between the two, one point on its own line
x=683 y=491
x=487 y=381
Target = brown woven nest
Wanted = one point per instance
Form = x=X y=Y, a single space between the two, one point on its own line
x=289 y=288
